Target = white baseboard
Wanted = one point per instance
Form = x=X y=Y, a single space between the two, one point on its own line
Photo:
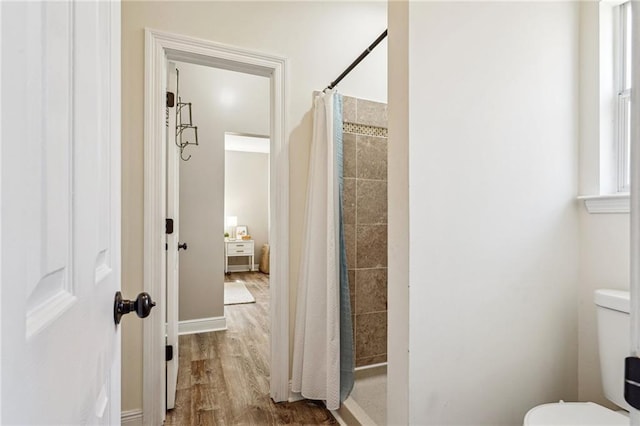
x=202 y=325
x=242 y=268
x=131 y=418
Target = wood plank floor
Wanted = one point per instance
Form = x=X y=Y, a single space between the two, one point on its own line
x=223 y=377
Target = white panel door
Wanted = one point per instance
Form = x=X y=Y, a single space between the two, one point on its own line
x=173 y=210
x=60 y=223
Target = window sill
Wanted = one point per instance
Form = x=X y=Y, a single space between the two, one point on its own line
x=612 y=203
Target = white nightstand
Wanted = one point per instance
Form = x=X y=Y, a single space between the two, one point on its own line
x=237 y=248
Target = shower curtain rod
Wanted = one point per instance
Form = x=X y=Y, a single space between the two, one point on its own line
x=357 y=61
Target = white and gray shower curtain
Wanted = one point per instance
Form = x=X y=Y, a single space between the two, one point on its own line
x=323 y=361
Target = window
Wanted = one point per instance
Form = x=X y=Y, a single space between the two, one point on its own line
x=606 y=39
x=623 y=89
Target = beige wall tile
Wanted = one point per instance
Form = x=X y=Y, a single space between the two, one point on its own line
x=348 y=109
x=365 y=203
x=353 y=328
x=349 y=154
x=371 y=246
x=371 y=290
x=361 y=362
x=371 y=334
x=352 y=290
x=371 y=113
x=349 y=201
x=371 y=203
x=371 y=157
x=350 y=243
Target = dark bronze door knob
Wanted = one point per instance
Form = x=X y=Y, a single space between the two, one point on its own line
x=142 y=306
x=182 y=246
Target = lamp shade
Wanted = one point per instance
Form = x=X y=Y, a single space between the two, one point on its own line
x=232 y=220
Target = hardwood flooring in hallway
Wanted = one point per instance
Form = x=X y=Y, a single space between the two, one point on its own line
x=223 y=377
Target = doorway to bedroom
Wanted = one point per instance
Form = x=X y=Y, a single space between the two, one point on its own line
x=218 y=130
x=246 y=211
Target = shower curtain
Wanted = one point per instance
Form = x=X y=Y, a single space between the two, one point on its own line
x=323 y=361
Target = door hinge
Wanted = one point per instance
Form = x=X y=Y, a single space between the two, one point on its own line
x=166 y=246
x=632 y=381
x=168 y=226
x=171 y=99
x=169 y=352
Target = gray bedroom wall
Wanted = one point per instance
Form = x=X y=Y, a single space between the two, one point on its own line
x=246 y=196
x=222 y=101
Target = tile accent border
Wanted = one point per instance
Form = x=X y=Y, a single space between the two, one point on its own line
x=363 y=129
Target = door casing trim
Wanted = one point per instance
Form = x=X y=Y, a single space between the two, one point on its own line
x=160 y=46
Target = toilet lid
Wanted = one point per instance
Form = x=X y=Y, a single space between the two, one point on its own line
x=574 y=413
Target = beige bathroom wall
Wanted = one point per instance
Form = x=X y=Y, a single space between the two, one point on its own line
x=492 y=151
x=604 y=263
x=398 y=217
x=319 y=41
x=604 y=238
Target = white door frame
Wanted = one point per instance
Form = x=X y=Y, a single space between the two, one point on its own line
x=160 y=46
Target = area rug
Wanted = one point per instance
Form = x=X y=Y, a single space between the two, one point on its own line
x=236 y=292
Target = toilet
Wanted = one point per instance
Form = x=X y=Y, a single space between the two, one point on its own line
x=612 y=308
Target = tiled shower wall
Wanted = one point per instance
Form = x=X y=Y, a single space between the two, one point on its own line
x=365 y=224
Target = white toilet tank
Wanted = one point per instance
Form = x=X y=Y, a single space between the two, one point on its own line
x=612 y=307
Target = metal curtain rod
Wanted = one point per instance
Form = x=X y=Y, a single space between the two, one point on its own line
x=357 y=61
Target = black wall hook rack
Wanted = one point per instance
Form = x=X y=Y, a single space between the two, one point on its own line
x=184 y=122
